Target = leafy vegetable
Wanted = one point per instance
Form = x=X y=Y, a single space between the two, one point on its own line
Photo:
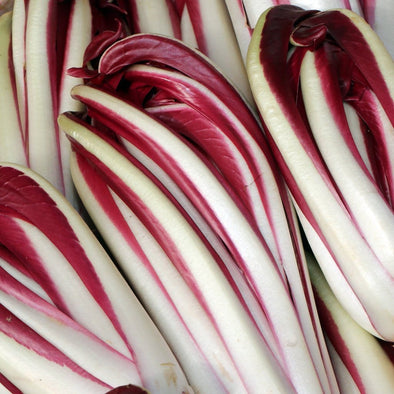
x=71 y=266
x=349 y=234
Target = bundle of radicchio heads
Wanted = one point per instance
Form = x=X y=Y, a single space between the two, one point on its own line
x=196 y=196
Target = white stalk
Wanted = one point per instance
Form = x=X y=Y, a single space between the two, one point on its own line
x=221 y=43
x=242 y=28
x=379 y=14
x=18 y=44
x=355 y=128
x=43 y=144
x=188 y=35
x=11 y=137
x=323 y=5
x=79 y=35
x=153 y=16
